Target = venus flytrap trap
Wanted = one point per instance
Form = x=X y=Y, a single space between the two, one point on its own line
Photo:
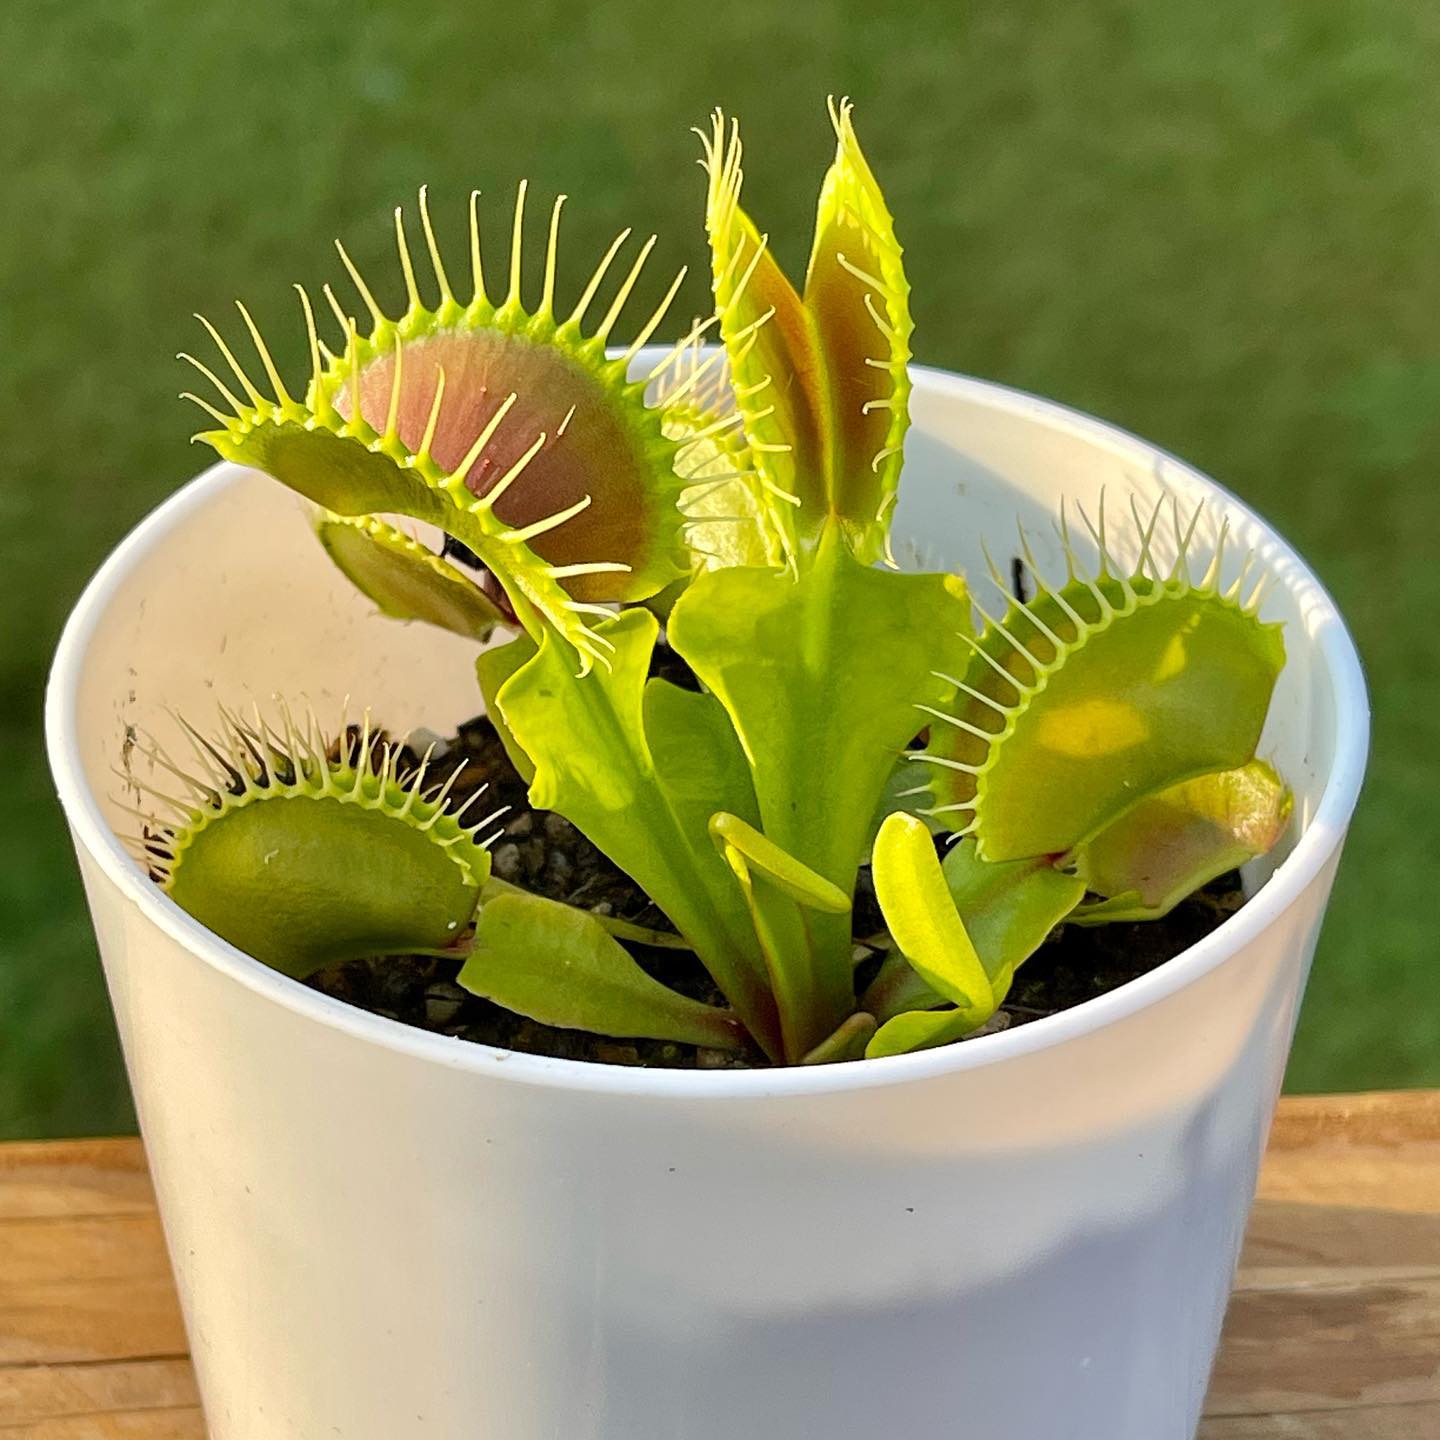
x=1082 y=757
x=1142 y=866
x=345 y=851
x=404 y=579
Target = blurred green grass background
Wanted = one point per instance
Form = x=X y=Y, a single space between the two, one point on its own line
x=1215 y=224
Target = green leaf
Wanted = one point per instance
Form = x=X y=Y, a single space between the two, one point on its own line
x=1079 y=705
x=783 y=871
x=896 y=988
x=846 y=1042
x=920 y=1030
x=1175 y=842
x=493 y=667
x=964 y=926
x=593 y=741
x=406 y=580
x=820 y=674
x=611 y=924
x=1008 y=909
x=923 y=919
x=559 y=966
x=812 y=995
x=695 y=752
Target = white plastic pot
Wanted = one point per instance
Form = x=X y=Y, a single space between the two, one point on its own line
x=380 y=1233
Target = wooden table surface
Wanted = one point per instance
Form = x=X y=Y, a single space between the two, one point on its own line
x=1333 y=1331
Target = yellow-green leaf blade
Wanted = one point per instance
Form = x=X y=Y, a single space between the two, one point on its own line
x=559 y=966
x=822 y=675
x=1008 y=910
x=782 y=870
x=920 y=1030
x=922 y=917
x=493 y=667
x=594 y=761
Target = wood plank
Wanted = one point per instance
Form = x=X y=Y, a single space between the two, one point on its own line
x=1371 y=1117
x=80 y=1322
x=1289 y=1239
x=84 y=1276
x=1389 y=1422
x=183 y=1424
x=1319 y=1346
x=36 y=1393
x=74 y=1177
x=1377 y=1151
x=112 y=1247
x=91 y=1288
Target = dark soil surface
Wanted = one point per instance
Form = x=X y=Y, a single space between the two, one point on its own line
x=544 y=853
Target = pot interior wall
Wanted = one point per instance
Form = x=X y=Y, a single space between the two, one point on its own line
x=233 y=600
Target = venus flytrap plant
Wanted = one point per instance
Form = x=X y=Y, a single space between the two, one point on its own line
x=1086 y=756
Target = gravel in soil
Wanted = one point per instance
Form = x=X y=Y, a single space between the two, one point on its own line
x=545 y=853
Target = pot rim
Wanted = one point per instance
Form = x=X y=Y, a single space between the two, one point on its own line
x=1290 y=879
